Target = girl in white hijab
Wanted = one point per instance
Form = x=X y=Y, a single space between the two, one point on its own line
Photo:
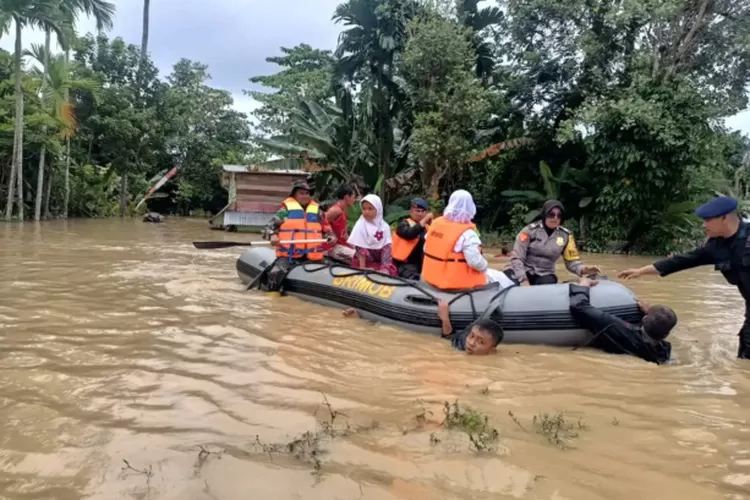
x=461 y=209
x=371 y=238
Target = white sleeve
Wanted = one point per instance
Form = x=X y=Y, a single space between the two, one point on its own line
x=468 y=243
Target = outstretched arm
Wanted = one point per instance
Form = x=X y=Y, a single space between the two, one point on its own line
x=588 y=316
x=664 y=267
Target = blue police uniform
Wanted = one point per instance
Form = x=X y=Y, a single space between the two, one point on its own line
x=730 y=256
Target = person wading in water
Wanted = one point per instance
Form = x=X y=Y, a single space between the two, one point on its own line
x=727 y=249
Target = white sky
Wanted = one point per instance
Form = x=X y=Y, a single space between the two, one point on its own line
x=233 y=37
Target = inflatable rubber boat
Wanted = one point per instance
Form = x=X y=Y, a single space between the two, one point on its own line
x=529 y=315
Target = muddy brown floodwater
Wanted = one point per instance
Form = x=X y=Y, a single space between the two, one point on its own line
x=121 y=342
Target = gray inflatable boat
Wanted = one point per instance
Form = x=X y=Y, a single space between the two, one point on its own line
x=529 y=315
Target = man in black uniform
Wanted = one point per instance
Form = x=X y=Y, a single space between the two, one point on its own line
x=616 y=336
x=727 y=248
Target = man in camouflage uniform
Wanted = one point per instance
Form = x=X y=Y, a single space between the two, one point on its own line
x=302 y=193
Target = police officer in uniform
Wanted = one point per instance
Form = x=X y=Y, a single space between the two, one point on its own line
x=727 y=249
x=540 y=245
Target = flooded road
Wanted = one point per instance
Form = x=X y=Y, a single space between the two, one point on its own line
x=135 y=366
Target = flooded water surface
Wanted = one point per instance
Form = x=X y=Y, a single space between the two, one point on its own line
x=134 y=366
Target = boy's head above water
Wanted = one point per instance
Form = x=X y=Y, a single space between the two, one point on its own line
x=483 y=337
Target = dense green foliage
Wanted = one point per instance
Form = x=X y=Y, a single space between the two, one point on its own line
x=87 y=121
x=616 y=108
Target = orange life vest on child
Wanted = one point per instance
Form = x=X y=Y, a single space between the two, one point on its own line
x=443 y=268
x=301 y=224
x=403 y=248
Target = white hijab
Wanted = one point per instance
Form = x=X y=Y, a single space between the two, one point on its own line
x=371 y=235
x=460 y=207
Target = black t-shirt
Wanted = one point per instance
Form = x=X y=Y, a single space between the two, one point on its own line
x=612 y=334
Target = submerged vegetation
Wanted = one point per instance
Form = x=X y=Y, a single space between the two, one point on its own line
x=617 y=109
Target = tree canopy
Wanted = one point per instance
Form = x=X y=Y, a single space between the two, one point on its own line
x=616 y=108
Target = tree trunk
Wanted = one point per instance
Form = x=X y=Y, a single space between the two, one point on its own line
x=66 y=199
x=18 y=125
x=49 y=191
x=144 y=35
x=683 y=44
x=11 y=182
x=66 y=196
x=42 y=153
x=123 y=194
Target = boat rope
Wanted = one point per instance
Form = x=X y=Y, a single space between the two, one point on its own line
x=371 y=274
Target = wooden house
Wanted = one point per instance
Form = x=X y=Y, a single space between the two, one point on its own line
x=255 y=194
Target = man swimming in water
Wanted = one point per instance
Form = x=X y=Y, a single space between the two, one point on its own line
x=479 y=338
x=616 y=336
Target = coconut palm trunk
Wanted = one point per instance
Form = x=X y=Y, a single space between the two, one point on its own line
x=66 y=199
x=144 y=36
x=144 y=53
x=49 y=191
x=18 y=130
x=42 y=153
x=66 y=196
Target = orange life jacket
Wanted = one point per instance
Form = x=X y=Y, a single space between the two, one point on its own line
x=443 y=268
x=402 y=248
x=301 y=224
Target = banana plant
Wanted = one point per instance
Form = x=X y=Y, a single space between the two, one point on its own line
x=553 y=186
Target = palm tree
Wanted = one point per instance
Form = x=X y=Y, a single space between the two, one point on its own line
x=326 y=134
x=144 y=34
x=57 y=80
x=478 y=20
x=39 y=14
x=365 y=54
x=47 y=15
x=42 y=154
x=103 y=12
x=144 y=58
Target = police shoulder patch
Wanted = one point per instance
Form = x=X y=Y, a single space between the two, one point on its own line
x=523 y=236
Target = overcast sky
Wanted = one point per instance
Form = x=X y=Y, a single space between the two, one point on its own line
x=233 y=37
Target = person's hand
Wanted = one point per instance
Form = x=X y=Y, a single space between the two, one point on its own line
x=443 y=310
x=644 y=306
x=628 y=274
x=274 y=240
x=587 y=282
x=331 y=239
x=525 y=283
x=427 y=219
x=591 y=270
x=350 y=313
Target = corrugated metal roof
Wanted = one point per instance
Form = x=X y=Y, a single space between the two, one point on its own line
x=260 y=169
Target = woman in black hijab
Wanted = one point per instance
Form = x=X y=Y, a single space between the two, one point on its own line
x=540 y=245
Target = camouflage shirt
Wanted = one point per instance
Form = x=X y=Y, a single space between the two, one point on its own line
x=280 y=216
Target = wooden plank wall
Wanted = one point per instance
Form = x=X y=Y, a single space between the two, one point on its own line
x=263 y=191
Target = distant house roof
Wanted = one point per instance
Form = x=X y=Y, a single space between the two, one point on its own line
x=246 y=169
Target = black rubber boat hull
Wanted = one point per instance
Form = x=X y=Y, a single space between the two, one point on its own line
x=529 y=315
